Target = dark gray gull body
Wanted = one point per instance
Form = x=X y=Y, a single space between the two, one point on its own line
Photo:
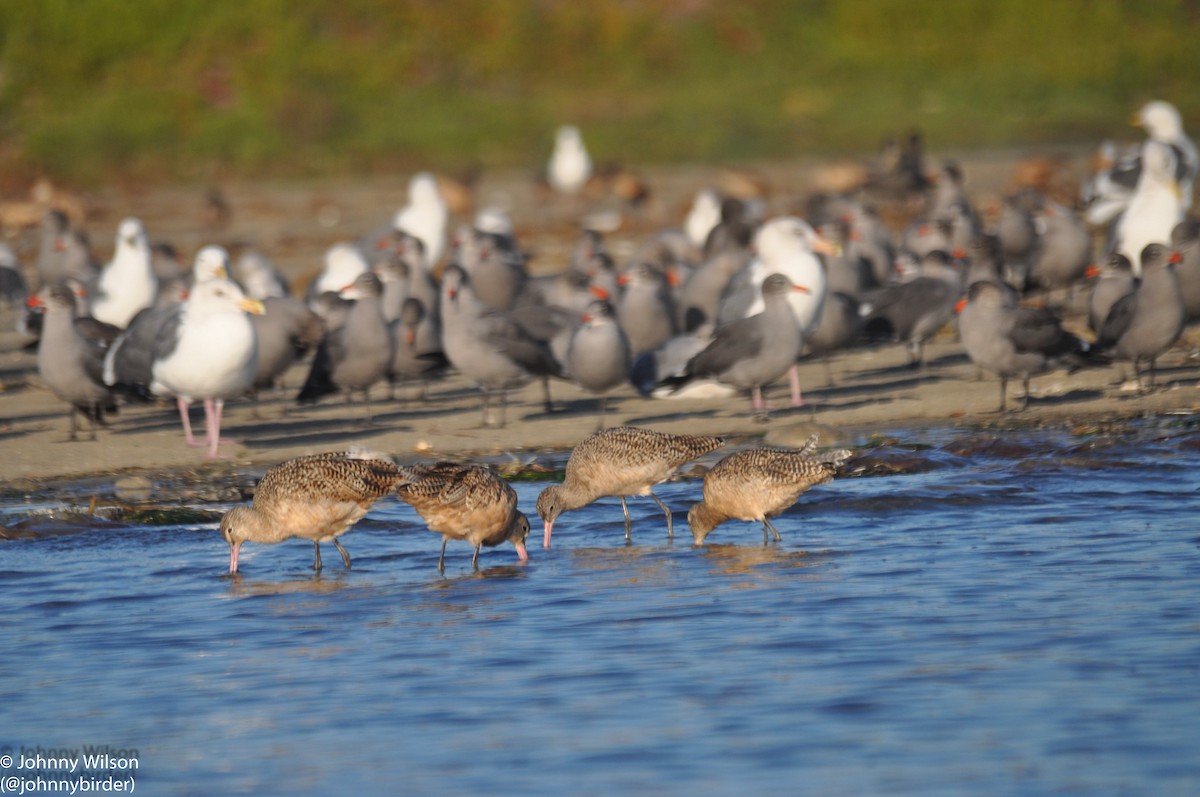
x=358 y=354
x=1114 y=280
x=1186 y=240
x=840 y=328
x=646 y=308
x=202 y=348
x=416 y=346
x=1065 y=251
x=63 y=252
x=1146 y=322
x=287 y=331
x=753 y=352
x=1012 y=341
x=71 y=359
x=914 y=311
x=700 y=296
x=488 y=348
x=495 y=265
x=598 y=357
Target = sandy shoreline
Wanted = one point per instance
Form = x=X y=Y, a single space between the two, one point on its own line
x=873 y=391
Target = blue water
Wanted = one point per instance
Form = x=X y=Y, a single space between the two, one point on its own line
x=1004 y=624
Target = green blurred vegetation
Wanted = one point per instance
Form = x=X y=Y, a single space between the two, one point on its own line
x=164 y=89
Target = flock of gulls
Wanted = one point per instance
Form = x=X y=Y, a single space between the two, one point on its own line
x=727 y=302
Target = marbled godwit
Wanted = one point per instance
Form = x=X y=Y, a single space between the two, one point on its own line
x=465 y=502
x=759 y=484
x=621 y=461
x=317 y=497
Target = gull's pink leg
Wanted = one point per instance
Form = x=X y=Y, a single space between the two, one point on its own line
x=187 y=423
x=794 y=380
x=212 y=424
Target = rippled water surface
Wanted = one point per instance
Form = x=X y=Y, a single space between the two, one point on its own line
x=1013 y=621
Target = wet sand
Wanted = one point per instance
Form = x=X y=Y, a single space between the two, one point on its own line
x=873 y=390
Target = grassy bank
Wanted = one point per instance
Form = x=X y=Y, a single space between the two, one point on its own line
x=185 y=88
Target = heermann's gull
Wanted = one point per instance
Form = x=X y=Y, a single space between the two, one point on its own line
x=785 y=245
x=1065 y=250
x=646 y=308
x=127 y=284
x=358 y=354
x=1146 y=322
x=759 y=484
x=1113 y=280
x=1013 y=341
x=465 y=502
x=1155 y=207
x=317 y=497
x=202 y=348
x=71 y=358
x=751 y=353
x=871 y=240
x=700 y=297
x=570 y=166
x=1185 y=238
x=495 y=265
x=63 y=252
x=840 y=327
x=426 y=216
x=913 y=311
x=286 y=330
x=598 y=356
x=622 y=461
x=1017 y=233
x=416 y=346
x=488 y=348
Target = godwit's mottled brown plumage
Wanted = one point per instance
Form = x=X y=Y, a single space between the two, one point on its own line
x=465 y=502
x=759 y=484
x=621 y=461
x=317 y=497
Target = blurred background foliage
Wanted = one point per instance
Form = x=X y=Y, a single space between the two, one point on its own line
x=171 y=89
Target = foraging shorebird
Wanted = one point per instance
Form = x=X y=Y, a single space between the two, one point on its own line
x=465 y=502
x=317 y=497
x=759 y=484
x=621 y=461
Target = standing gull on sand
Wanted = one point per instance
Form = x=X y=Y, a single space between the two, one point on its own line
x=317 y=497
x=465 y=502
x=621 y=461
x=1014 y=341
x=71 y=358
x=759 y=484
x=202 y=348
x=1148 y=320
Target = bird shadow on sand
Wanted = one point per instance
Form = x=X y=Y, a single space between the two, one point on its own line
x=323 y=432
